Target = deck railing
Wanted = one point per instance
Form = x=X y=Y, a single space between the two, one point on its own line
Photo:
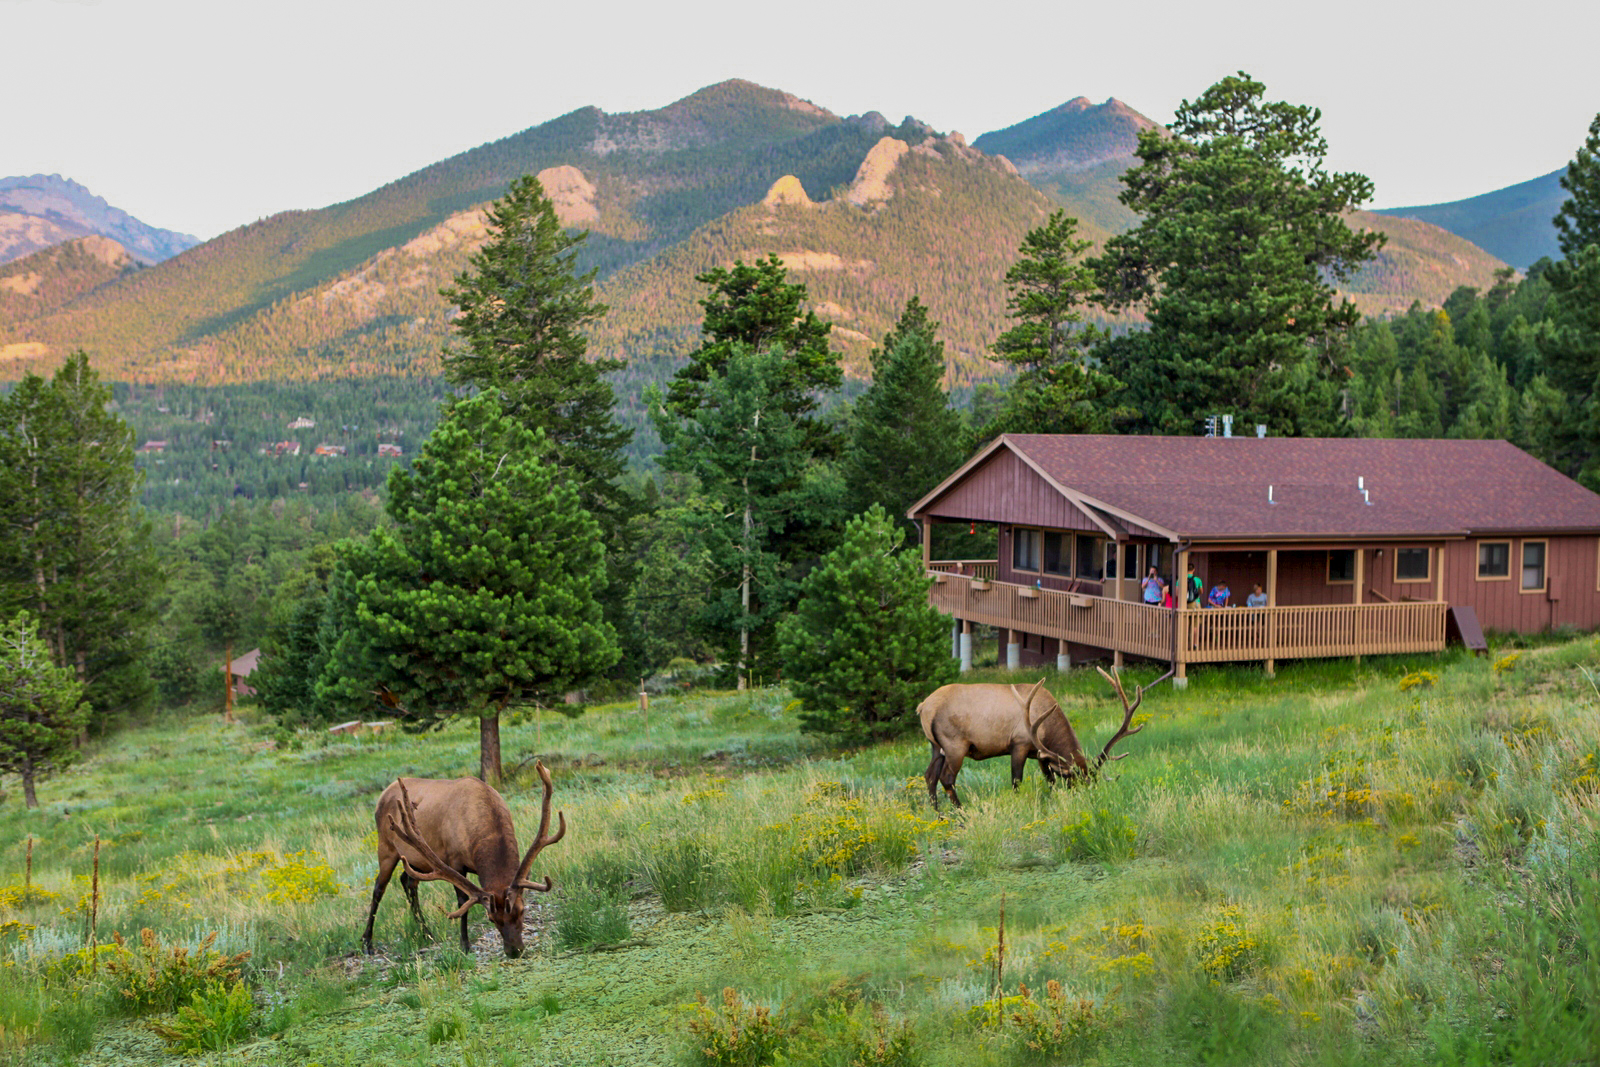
x=1206 y=634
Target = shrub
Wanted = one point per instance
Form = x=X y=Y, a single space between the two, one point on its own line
x=157 y=979
x=864 y=645
x=217 y=1017
x=1227 y=951
x=1097 y=835
x=736 y=1034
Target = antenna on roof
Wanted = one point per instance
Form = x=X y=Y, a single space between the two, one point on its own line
x=1211 y=425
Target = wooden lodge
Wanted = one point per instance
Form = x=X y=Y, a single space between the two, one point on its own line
x=1360 y=546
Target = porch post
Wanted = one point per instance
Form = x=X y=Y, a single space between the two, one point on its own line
x=1361 y=579
x=927 y=543
x=955 y=638
x=1013 y=651
x=1180 y=619
x=1272 y=618
x=1439 y=576
x=966 y=645
x=1117 y=638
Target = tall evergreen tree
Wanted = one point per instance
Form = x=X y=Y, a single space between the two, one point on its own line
x=523 y=308
x=1057 y=389
x=904 y=438
x=1578 y=221
x=41 y=706
x=77 y=550
x=756 y=308
x=1241 y=236
x=483 y=592
x=1569 y=347
x=759 y=480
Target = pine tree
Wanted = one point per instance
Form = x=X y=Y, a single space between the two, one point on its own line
x=904 y=438
x=484 y=591
x=864 y=646
x=41 y=706
x=759 y=480
x=77 y=549
x=524 y=307
x=1578 y=221
x=757 y=308
x=1569 y=347
x=1057 y=390
x=1241 y=236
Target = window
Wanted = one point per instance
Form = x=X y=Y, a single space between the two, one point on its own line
x=1024 y=550
x=1494 y=560
x=1341 y=566
x=1085 y=556
x=1111 y=559
x=1411 y=564
x=1533 y=571
x=1057 y=552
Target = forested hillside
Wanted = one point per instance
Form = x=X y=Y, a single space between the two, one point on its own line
x=1512 y=223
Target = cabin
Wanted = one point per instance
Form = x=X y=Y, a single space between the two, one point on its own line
x=1360 y=546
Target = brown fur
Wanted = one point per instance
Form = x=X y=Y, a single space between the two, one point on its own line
x=445 y=829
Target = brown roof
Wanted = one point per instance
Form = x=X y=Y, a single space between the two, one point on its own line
x=1216 y=487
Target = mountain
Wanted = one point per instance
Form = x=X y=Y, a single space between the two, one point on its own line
x=39 y=283
x=1076 y=154
x=1513 y=223
x=1419 y=262
x=46 y=209
x=864 y=211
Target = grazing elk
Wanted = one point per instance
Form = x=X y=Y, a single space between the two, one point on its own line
x=447 y=829
x=963 y=722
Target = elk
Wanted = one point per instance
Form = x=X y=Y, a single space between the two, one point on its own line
x=445 y=829
x=977 y=721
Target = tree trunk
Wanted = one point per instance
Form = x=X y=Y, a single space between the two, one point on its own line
x=29 y=797
x=489 y=746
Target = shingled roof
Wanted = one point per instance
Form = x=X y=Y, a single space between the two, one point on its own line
x=1217 y=487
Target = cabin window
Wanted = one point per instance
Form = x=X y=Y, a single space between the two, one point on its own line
x=1084 y=563
x=1341 y=566
x=1411 y=564
x=1494 y=560
x=1533 y=566
x=1025 y=550
x=1057 y=552
x=1111 y=560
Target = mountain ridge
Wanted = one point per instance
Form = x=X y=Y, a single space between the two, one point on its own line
x=41 y=210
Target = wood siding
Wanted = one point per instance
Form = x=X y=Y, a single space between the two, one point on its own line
x=1569 y=599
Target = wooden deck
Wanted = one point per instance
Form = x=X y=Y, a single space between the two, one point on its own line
x=1209 y=635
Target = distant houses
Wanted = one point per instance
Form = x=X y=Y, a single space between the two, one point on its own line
x=281 y=448
x=153 y=446
x=303 y=423
x=390 y=450
x=330 y=450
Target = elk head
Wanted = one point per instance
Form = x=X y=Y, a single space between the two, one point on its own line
x=1070 y=763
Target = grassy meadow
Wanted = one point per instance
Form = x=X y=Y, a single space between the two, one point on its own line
x=1391 y=862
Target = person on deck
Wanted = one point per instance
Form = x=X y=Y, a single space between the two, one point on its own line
x=1257 y=599
x=1219 y=595
x=1197 y=588
x=1152 y=585
x=1166 y=596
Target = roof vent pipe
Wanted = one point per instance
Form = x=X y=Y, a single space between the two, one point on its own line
x=1366 y=497
x=1261 y=429
x=1227 y=425
x=1269 y=495
x=1361 y=482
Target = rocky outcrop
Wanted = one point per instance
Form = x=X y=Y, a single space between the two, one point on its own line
x=572 y=194
x=872 y=177
x=787 y=190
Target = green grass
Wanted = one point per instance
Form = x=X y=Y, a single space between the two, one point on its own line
x=1317 y=868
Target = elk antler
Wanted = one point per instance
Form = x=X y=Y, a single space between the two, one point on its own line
x=543 y=840
x=406 y=830
x=1127 y=713
x=1034 y=724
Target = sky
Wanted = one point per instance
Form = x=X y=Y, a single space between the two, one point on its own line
x=203 y=116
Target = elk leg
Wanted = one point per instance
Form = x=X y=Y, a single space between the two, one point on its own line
x=931 y=775
x=461 y=898
x=1019 y=763
x=385 y=870
x=409 y=884
x=952 y=767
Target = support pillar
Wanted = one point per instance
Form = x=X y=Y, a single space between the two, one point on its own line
x=1180 y=619
x=966 y=645
x=1013 y=654
x=1180 y=675
x=1272 y=617
x=1063 y=660
x=955 y=638
x=1361 y=580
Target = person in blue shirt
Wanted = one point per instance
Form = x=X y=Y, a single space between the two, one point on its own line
x=1257 y=599
x=1152 y=585
x=1219 y=595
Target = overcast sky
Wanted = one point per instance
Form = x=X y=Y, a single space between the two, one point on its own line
x=202 y=116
